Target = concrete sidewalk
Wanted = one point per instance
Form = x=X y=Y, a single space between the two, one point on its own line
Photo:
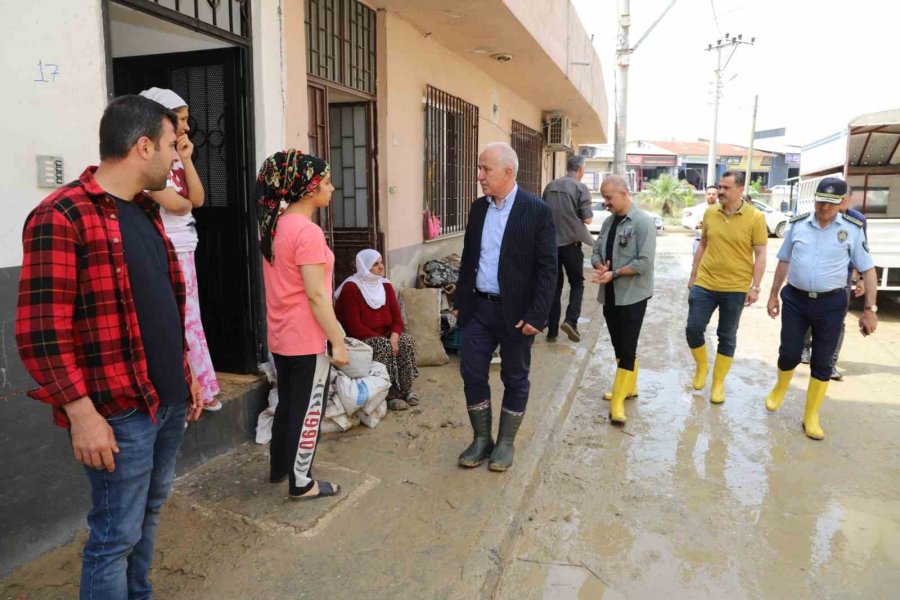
x=409 y=524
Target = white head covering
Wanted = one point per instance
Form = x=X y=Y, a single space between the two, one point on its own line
x=370 y=285
x=167 y=98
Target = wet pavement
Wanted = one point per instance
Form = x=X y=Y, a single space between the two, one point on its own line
x=694 y=500
x=688 y=500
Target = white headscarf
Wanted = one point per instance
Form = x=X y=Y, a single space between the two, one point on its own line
x=167 y=98
x=370 y=285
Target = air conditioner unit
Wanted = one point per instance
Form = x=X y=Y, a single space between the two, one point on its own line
x=558 y=132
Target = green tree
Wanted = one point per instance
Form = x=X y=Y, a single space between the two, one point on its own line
x=756 y=187
x=666 y=193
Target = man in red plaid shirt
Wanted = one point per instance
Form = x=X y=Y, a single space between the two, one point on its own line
x=99 y=327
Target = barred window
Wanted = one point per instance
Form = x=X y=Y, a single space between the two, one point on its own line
x=340 y=43
x=527 y=143
x=451 y=157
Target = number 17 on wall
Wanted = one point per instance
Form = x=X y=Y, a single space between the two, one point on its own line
x=46 y=71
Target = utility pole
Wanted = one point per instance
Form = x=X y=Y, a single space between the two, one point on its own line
x=733 y=43
x=749 y=174
x=623 y=56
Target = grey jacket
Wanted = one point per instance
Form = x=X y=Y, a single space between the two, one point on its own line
x=634 y=247
x=570 y=201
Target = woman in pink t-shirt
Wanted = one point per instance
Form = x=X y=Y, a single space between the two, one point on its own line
x=298 y=271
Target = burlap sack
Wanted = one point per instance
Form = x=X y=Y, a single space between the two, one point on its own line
x=422 y=320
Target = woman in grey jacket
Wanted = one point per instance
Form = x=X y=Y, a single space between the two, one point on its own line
x=623 y=260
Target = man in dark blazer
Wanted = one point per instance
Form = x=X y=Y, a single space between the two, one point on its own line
x=506 y=285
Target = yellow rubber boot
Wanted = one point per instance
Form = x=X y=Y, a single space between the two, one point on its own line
x=720 y=370
x=699 y=355
x=633 y=392
x=617 y=403
x=815 y=394
x=776 y=396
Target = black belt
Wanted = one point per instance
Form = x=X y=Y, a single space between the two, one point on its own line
x=493 y=298
x=820 y=295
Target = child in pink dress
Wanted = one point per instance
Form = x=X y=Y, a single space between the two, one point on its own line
x=183 y=193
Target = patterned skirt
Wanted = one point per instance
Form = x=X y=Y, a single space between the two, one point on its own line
x=402 y=368
x=198 y=351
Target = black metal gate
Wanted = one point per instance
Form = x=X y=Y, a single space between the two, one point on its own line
x=212 y=83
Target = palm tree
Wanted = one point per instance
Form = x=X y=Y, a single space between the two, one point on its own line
x=666 y=192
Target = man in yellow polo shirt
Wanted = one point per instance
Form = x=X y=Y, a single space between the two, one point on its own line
x=728 y=267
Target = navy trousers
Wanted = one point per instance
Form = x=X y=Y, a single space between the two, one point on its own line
x=825 y=316
x=484 y=332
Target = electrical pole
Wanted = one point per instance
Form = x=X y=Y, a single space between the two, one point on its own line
x=623 y=59
x=733 y=43
x=749 y=175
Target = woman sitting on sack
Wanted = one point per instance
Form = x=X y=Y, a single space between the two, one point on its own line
x=367 y=307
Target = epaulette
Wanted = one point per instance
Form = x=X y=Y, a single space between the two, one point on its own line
x=853 y=220
x=799 y=217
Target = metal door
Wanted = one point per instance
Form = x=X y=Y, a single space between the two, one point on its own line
x=228 y=273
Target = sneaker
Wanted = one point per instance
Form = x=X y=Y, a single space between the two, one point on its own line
x=836 y=375
x=571 y=330
x=213 y=405
x=804 y=356
x=552 y=338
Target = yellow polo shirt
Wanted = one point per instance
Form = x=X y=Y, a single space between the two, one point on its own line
x=727 y=263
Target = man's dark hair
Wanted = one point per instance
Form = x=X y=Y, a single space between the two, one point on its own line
x=712 y=187
x=126 y=120
x=738 y=177
x=573 y=163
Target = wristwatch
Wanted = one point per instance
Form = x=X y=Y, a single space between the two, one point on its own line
x=755 y=288
x=616 y=274
x=873 y=308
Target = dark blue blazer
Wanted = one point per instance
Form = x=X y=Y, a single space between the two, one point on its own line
x=527 y=270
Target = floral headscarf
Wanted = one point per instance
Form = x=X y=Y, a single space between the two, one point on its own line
x=284 y=178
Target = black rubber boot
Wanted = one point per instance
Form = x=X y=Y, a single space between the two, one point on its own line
x=482 y=443
x=502 y=456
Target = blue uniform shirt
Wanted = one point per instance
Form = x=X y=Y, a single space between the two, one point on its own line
x=820 y=257
x=487 y=278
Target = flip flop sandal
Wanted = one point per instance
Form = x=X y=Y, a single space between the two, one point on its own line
x=326 y=490
x=412 y=399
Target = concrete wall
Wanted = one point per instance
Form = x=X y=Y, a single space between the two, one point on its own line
x=557 y=28
x=55 y=89
x=407 y=67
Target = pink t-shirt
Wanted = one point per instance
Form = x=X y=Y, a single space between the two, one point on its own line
x=293 y=330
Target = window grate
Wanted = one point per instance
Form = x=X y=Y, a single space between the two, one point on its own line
x=527 y=143
x=451 y=157
x=228 y=17
x=340 y=43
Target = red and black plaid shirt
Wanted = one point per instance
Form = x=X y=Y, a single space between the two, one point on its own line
x=76 y=325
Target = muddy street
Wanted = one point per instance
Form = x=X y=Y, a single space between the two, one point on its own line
x=694 y=500
x=688 y=500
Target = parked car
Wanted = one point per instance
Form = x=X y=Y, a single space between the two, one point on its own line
x=692 y=215
x=600 y=215
x=657 y=220
x=776 y=221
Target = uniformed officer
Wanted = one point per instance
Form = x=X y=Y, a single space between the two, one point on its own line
x=815 y=256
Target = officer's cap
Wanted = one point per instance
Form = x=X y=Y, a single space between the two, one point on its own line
x=831 y=190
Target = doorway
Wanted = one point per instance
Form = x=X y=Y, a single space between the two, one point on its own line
x=342 y=130
x=215 y=84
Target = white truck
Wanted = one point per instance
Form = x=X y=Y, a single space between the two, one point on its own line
x=867 y=155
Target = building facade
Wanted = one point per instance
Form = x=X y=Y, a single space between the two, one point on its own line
x=399 y=96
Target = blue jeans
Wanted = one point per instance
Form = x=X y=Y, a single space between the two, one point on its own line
x=126 y=503
x=701 y=304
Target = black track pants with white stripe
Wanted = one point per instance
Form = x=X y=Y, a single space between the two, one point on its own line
x=302 y=389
